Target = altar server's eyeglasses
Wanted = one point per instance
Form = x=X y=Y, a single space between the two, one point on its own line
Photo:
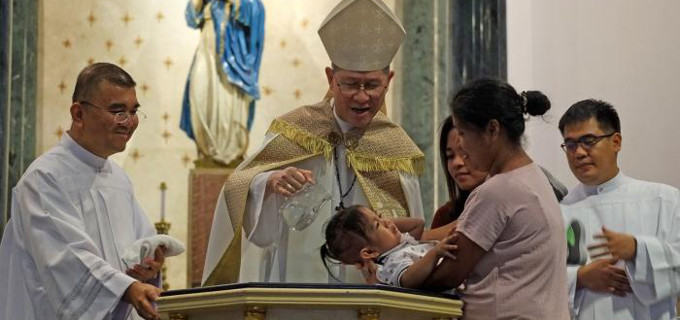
x=119 y=116
x=587 y=141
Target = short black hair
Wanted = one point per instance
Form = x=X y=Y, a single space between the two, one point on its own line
x=486 y=99
x=604 y=113
x=89 y=79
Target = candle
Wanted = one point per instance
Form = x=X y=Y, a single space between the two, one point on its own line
x=163 y=188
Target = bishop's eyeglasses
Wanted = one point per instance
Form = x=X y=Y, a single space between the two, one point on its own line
x=372 y=89
x=587 y=141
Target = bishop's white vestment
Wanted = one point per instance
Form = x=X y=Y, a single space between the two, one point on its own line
x=269 y=250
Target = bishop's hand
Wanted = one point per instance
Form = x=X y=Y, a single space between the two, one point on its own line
x=289 y=181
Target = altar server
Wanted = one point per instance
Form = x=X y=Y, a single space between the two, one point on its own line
x=74 y=214
x=625 y=232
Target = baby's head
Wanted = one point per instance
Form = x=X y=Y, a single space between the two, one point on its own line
x=357 y=234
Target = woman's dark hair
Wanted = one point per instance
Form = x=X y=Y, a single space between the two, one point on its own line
x=345 y=233
x=457 y=196
x=486 y=99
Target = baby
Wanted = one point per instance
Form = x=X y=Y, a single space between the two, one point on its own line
x=357 y=235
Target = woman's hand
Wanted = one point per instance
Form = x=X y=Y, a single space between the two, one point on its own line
x=446 y=248
x=369 y=271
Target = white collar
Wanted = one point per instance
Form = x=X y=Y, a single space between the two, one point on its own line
x=344 y=126
x=405 y=240
x=81 y=153
x=607 y=186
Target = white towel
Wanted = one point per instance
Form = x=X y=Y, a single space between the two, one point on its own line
x=145 y=248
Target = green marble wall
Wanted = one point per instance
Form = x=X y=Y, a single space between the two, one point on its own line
x=18 y=66
x=447 y=44
x=425 y=85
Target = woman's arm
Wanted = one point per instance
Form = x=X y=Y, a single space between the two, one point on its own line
x=419 y=271
x=442 y=216
x=413 y=226
x=439 y=233
x=451 y=273
x=416 y=228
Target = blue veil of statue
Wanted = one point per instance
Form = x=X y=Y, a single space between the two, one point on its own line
x=239 y=42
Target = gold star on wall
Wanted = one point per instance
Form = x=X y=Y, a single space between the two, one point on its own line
x=108 y=44
x=59 y=132
x=62 y=86
x=90 y=61
x=66 y=43
x=168 y=63
x=127 y=18
x=296 y=62
x=283 y=44
x=165 y=117
x=267 y=90
x=145 y=87
x=91 y=18
x=166 y=135
x=122 y=61
x=304 y=23
x=297 y=93
x=186 y=159
x=160 y=16
x=135 y=155
x=138 y=41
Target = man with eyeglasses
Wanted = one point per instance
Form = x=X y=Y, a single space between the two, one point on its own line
x=74 y=214
x=342 y=144
x=624 y=239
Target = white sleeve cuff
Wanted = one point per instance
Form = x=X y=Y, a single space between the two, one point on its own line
x=262 y=219
x=637 y=269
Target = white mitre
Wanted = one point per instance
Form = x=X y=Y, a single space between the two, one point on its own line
x=361 y=35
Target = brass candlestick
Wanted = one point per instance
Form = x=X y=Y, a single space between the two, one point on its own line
x=163 y=227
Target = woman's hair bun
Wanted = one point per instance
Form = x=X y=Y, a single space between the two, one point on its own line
x=535 y=103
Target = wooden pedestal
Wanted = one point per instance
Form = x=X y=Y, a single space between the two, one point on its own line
x=205 y=185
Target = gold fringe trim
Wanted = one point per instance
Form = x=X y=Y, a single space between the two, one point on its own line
x=360 y=162
x=368 y=163
x=303 y=138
